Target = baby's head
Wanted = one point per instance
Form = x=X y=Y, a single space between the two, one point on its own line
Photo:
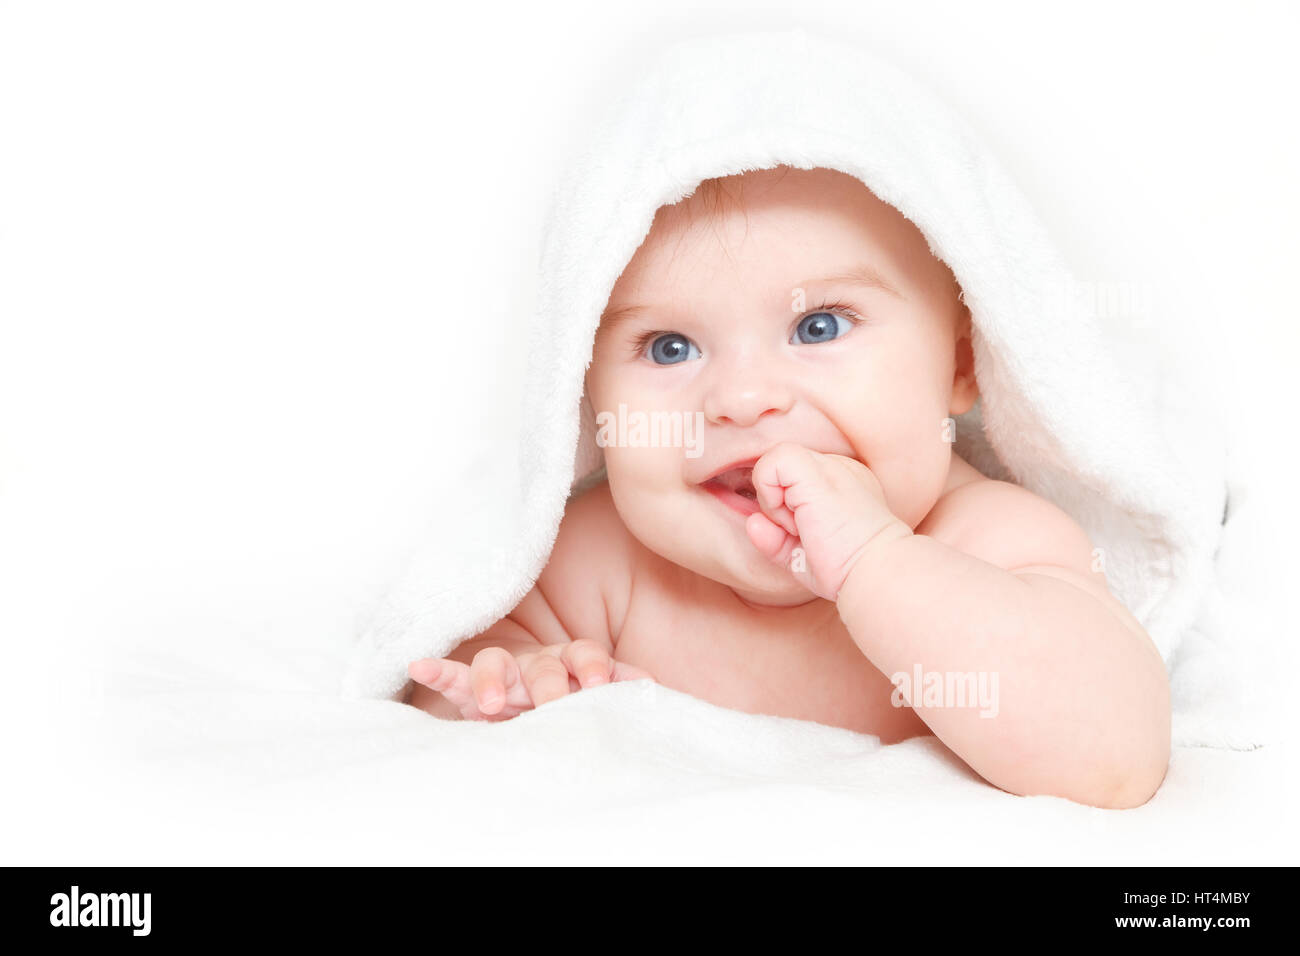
x=778 y=305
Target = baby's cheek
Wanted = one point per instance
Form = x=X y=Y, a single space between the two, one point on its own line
x=644 y=482
x=914 y=483
x=910 y=453
x=608 y=383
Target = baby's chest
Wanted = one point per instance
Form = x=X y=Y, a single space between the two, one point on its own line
x=761 y=669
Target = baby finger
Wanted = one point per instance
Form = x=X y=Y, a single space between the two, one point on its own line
x=449 y=678
x=492 y=674
x=545 y=676
x=587 y=661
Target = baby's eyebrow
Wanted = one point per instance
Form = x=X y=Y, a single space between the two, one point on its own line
x=610 y=319
x=864 y=275
x=859 y=275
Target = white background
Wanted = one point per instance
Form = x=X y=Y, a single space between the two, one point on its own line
x=246 y=248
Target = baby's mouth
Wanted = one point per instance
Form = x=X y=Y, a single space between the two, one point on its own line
x=737 y=480
x=735 y=489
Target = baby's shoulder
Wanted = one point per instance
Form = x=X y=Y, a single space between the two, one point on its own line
x=587 y=578
x=592 y=528
x=1009 y=526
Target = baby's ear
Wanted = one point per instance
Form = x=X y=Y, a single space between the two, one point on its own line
x=588 y=457
x=965 y=390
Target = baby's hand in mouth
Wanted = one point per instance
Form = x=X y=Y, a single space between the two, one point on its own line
x=818 y=514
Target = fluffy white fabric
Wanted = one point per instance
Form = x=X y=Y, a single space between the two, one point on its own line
x=253 y=757
x=1058 y=414
x=249 y=755
x=228 y=379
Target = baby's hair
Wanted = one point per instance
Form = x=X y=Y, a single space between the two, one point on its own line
x=713 y=198
x=717 y=196
x=722 y=194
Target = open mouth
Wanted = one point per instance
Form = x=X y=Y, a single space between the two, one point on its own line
x=735 y=489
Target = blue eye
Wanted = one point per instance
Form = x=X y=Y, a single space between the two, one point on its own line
x=819 y=327
x=671 y=349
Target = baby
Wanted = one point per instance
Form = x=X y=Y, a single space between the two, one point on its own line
x=825 y=533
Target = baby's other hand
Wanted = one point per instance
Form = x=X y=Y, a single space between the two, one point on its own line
x=498 y=685
x=830 y=507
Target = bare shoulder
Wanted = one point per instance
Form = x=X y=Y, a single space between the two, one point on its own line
x=1010 y=527
x=586 y=582
x=1015 y=529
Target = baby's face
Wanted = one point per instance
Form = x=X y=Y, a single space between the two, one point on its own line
x=805 y=310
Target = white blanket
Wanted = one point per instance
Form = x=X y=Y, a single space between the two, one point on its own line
x=215 y=732
x=251 y=757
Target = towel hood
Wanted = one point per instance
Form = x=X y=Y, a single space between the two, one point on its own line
x=1055 y=414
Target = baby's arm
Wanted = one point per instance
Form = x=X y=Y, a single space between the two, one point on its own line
x=996 y=581
x=1002 y=582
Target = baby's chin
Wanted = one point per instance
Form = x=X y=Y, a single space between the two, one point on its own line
x=709 y=539
x=735 y=563
x=785 y=593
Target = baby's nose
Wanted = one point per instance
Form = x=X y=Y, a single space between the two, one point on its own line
x=745 y=397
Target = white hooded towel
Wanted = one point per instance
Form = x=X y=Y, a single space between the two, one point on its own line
x=1055 y=414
